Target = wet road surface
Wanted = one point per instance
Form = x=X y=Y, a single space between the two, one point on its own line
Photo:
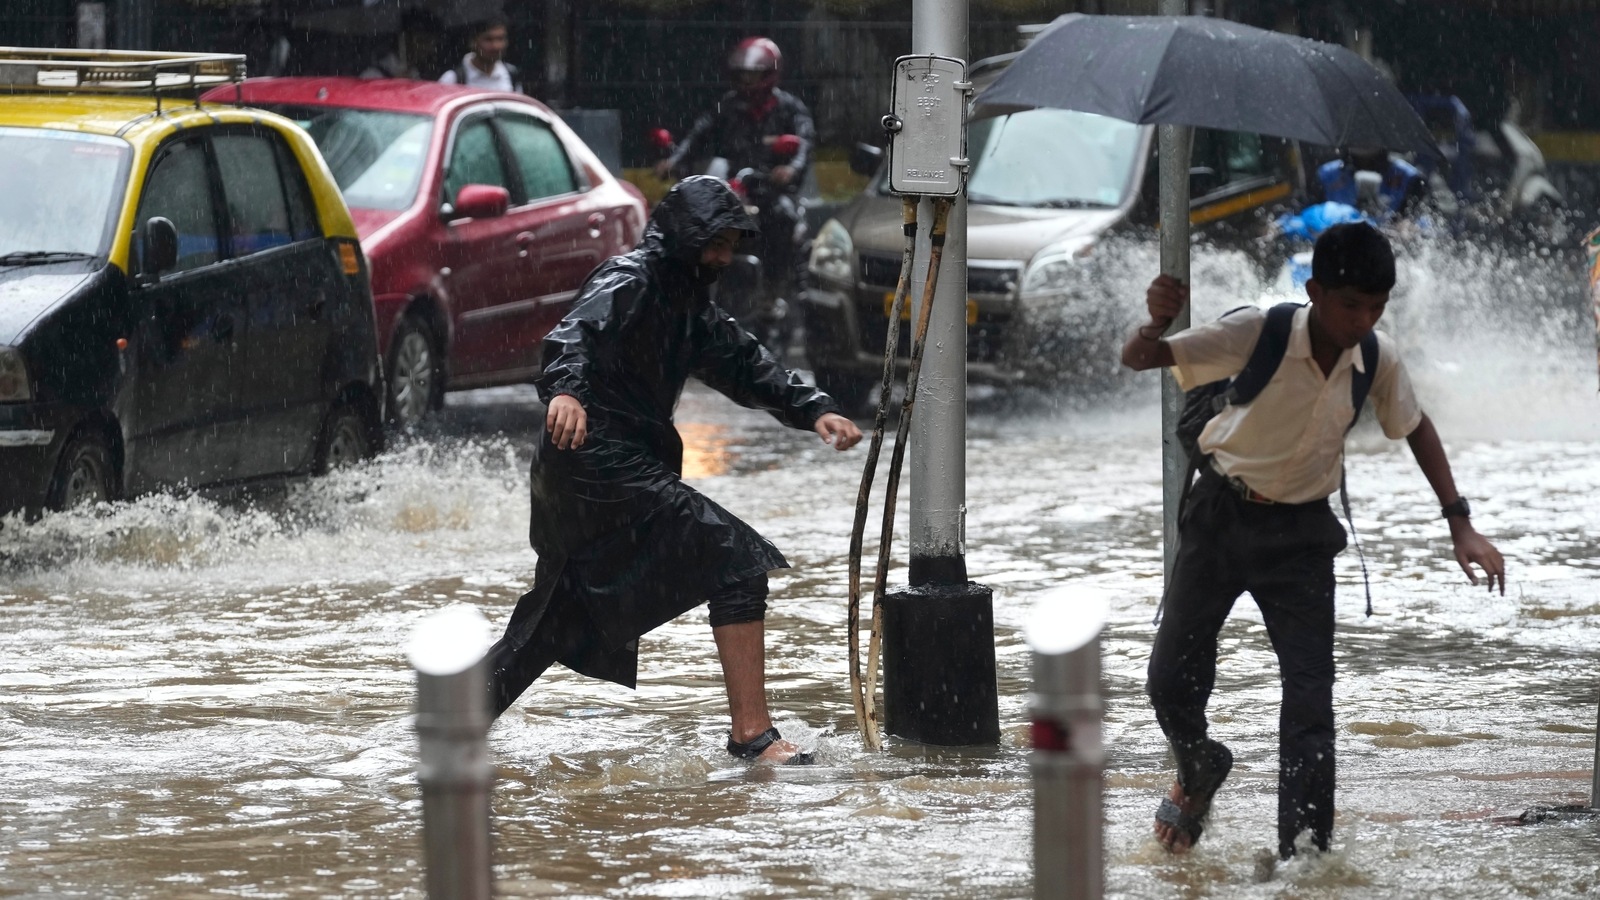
x=208 y=697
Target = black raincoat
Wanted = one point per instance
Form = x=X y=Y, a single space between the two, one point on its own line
x=624 y=545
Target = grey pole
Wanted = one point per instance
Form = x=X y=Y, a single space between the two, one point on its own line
x=938 y=634
x=1068 y=758
x=1173 y=145
x=939 y=432
x=447 y=650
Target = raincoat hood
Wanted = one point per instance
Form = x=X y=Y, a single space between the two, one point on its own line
x=690 y=215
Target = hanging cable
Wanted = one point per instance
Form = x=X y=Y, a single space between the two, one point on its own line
x=866 y=687
x=858 y=694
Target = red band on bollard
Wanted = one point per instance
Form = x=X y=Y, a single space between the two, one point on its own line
x=1051 y=736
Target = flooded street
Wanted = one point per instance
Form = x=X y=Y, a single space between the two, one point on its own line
x=204 y=697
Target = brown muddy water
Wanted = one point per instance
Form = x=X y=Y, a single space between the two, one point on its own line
x=208 y=697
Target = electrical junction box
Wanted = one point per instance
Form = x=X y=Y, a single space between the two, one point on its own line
x=927 y=127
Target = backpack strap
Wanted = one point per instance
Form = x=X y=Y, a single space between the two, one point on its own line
x=1361 y=379
x=461 y=73
x=1265 y=357
x=1360 y=386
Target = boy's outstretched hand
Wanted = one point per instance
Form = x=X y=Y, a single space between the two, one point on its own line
x=837 y=430
x=567 y=423
x=1474 y=548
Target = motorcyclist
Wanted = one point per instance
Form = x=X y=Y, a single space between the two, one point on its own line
x=1396 y=192
x=760 y=127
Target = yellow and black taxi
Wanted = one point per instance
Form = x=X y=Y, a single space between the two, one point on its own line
x=183 y=299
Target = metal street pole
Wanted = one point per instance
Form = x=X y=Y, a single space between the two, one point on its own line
x=1068 y=758
x=447 y=650
x=938 y=634
x=1173 y=145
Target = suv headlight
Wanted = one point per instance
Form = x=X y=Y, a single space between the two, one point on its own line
x=1057 y=270
x=833 y=253
x=13 y=377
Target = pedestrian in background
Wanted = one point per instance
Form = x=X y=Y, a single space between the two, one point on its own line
x=1258 y=520
x=624 y=544
x=414 y=51
x=485 y=66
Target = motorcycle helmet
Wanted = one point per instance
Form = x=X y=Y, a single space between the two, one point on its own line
x=754 y=66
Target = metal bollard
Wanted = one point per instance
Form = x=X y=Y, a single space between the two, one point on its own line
x=1068 y=758
x=447 y=650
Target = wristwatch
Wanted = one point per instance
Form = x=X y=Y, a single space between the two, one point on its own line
x=1458 y=508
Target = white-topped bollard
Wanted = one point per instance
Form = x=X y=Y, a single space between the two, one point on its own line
x=1068 y=758
x=447 y=649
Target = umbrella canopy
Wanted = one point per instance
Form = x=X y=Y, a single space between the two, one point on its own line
x=1209 y=73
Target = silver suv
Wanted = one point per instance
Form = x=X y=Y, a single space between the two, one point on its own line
x=1047 y=188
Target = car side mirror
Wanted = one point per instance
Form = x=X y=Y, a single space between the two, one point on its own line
x=158 y=252
x=865 y=159
x=1202 y=180
x=481 y=201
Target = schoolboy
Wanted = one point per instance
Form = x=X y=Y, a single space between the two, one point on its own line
x=1258 y=520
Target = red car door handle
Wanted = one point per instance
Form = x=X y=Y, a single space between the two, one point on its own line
x=524 y=241
x=596 y=221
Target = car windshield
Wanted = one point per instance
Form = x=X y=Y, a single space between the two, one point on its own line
x=376 y=156
x=1051 y=158
x=60 y=192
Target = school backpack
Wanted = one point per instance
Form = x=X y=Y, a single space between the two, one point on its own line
x=1204 y=401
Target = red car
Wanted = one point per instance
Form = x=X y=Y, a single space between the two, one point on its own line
x=480 y=213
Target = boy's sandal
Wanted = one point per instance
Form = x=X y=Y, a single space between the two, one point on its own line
x=753 y=748
x=1170 y=813
x=1204 y=785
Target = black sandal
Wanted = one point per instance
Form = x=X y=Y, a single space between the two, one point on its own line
x=754 y=747
x=1207 y=775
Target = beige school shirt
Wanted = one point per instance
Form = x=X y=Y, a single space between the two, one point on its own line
x=1288 y=444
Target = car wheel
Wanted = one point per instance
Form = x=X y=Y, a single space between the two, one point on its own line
x=416 y=374
x=84 y=475
x=849 y=390
x=344 y=440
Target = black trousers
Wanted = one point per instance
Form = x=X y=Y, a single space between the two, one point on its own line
x=1283 y=555
x=564 y=630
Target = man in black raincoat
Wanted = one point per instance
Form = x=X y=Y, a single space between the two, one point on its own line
x=624 y=545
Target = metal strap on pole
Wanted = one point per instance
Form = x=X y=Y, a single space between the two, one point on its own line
x=447 y=650
x=1068 y=758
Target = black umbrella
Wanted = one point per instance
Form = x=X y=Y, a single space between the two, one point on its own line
x=1210 y=73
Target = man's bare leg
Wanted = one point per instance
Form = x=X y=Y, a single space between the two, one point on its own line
x=742 y=649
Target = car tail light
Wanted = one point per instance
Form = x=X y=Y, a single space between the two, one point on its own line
x=350 y=257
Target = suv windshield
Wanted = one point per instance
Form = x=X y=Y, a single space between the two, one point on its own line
x=1051 y=158
x=60 y=193
x=376 y=156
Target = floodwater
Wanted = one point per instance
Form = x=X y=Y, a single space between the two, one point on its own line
x=208 y=697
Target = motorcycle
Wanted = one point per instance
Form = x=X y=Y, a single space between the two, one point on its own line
x=758 y=287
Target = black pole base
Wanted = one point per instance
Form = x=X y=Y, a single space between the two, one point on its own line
x=938 y=665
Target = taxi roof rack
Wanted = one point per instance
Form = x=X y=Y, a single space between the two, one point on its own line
x=50 y=70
